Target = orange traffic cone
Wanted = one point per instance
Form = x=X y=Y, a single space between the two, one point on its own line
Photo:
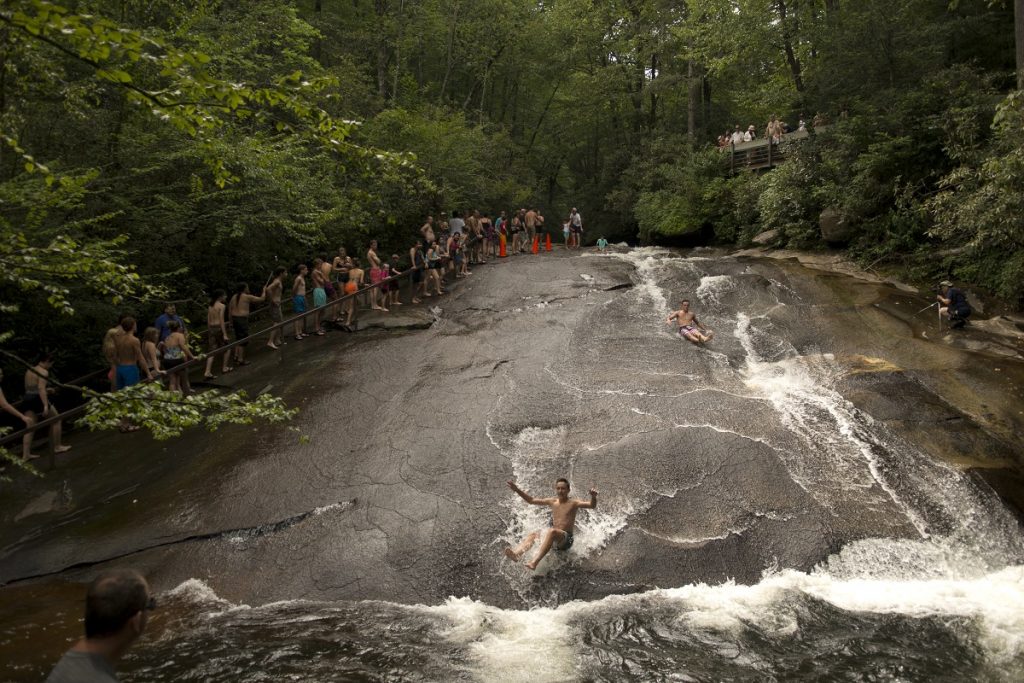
x=547 y=242
x=501 y=250
x=536 y=245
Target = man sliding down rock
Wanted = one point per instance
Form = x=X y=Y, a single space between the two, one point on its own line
x=689 y=327
x=563 y=520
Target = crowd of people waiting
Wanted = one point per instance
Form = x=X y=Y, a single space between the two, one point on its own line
x=445 y=250
x=775 y=130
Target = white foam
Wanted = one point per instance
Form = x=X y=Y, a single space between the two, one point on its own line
x=508 y=645
x=712 y=287
x=511 y=646
x=647 y=264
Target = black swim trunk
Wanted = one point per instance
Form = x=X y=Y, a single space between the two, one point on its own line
x=32 y=402
x=567 y=543
x=241 y=325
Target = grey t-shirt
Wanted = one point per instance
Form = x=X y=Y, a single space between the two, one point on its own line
x=456 y=225
x=82 y=667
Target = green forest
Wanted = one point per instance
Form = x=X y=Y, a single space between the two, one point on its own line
x=157 y=149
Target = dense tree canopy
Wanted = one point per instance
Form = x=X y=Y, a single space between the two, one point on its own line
x=156 y=149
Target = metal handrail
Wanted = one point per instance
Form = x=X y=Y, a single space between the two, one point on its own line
x=78 y=410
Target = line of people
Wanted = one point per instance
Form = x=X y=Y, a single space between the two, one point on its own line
x=333 y=283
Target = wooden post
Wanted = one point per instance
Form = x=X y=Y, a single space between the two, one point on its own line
x=770 y=143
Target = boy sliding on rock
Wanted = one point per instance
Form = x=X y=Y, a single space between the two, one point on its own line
x=563 y=520
x=689 y=327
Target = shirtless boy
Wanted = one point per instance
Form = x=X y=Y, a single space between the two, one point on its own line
x=216 y=333
x=689 y=327
x=299 y=300
x=274 y=291
x=563 y=519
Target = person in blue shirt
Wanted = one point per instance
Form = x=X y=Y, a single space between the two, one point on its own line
x=954 y=305
x=170 y=313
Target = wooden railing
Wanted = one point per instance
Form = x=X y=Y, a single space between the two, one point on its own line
x=759 y=154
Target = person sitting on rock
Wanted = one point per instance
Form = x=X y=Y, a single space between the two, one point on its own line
x=689 y=327
x=954 y=305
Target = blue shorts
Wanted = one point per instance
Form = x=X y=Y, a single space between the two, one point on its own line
x=567 y=543
x=319 y=297
x=298 y=304
x=127 y=375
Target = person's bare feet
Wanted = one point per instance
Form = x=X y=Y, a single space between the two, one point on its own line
x=710 y=335
x=532 y=564
x=62 y=449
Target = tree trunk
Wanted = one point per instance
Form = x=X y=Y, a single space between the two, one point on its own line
x=1018 y=25
x=318 y=46
x=449 y=49
x=691 y=102
x=483 y=79
x=787 y=44
x=381 y=10
x=653 y=120
x=543 y=115
x=398 y=50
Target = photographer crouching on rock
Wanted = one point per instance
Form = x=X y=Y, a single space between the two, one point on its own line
x=954 y=305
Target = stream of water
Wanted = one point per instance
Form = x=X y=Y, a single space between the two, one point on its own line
x=942 y=601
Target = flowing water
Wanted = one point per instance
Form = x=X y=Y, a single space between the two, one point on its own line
x=935 y=593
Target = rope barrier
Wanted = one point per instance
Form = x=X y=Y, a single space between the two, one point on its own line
x=201 y=358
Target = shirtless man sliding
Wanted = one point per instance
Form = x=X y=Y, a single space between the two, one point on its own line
x=689 y=327
x=563 y=519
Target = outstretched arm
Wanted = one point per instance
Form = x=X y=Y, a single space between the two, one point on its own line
x=526 y=496
x=672 y=317
x=592 y=503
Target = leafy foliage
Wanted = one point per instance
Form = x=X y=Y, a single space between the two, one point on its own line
x=167 y=414
x=163 y=149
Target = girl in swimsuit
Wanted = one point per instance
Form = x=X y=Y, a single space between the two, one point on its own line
x=37 y=406
x=355 y=280
x=176 y=352
x=150 y=351
x=434 y=268
x=377 y=275
x=393 y=289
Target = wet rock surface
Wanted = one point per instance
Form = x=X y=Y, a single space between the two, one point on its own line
x=787 y=437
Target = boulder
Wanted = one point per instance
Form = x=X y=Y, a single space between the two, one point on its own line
x=766 y=237
x=836 y=228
